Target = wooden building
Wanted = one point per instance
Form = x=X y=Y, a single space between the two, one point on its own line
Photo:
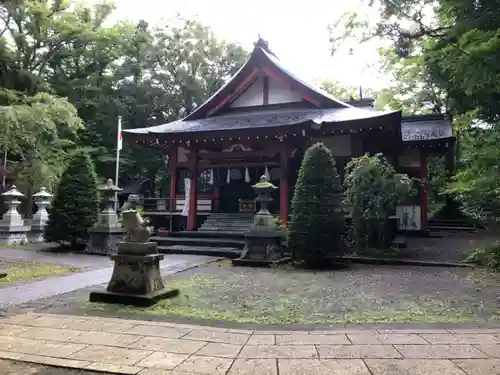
x=261 y=122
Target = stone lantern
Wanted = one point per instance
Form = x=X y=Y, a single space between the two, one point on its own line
x=107 y=231
x=12 y=227
x=263 y=240
x=40 y=218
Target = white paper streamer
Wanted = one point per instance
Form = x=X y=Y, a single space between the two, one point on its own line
x=247 y=175
x=211 y=178
x=266 y=173
x=228 y=177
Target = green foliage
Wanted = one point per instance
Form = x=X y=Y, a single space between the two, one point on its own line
x=317 y=221
x=75 y=206
x=488 y=256
x=373 y=189
x=476 y=184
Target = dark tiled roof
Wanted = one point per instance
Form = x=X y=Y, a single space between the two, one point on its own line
x=263 y=119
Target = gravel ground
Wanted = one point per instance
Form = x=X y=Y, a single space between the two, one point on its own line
x=23 y=368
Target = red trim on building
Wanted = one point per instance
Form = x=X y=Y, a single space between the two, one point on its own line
x=239 y=89
x=265 y=89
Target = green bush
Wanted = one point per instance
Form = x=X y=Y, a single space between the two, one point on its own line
x=488 y=256
x=75 y=207
x=317 y=223
x=373 y=189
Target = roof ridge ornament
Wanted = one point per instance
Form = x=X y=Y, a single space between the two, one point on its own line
x=264 y=45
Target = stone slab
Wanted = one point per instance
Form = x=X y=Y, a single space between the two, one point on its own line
x=239 y=262
x=141 y=300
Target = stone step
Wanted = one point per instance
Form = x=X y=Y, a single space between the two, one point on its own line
x=209 y=234
x=197 y=241
x=235 y=228
x=439 y=228
x=227 y=252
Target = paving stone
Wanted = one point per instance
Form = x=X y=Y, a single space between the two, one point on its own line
x=440 y=351
x=205 y=365
x=322 y=367
x=53 y=334
x=10 y=355
x=46 y=348
x=178 y=346
x=254 y=367
x=52 y=321
x=311 y=339
x=162 y=360
x=223 y=337
x=17 y=319
x=60 y=362
x=105 y=338
x=461 y=338
x=386 y=339
x=102 y=326
x=490 y=350
x=258 y=339
x=217 y=349
x=244 y=331
x=357 y=351
x=479 y=366
x=112 y=355
x=8 y=343
x=413 y=330
x=412 y=367
x=11 y=329
x=278 y=351
x=108 y=367
x=159 y=331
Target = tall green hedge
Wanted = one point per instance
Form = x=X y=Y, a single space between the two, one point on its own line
x=317 y=222
x=75 y=207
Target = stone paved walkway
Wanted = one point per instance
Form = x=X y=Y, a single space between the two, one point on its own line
x=16 y=295
x=159 y=348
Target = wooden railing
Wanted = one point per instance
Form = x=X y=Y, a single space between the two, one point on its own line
x=173 y=206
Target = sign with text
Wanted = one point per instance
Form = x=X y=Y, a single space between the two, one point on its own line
x=428 y=130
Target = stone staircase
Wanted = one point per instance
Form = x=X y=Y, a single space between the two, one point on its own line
x=221 y=234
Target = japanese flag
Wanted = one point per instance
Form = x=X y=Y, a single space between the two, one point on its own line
x=119 y=143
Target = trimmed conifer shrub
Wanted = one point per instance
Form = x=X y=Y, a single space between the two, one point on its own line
x=317 y=222
x=75 y=206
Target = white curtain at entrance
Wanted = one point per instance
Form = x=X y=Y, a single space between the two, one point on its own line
x=187 y=188
x=266 y=173
x=228 y=177
x=211 y=178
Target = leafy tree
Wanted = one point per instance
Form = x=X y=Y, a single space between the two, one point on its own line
x=317 y=221
x=76 y=203
x=373 y=189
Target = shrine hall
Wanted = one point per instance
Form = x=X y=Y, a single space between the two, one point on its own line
x=261 y=122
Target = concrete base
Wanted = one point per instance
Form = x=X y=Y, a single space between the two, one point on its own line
x=104 y=241
x=140 y=300
x=14 y=237
x=35 y=237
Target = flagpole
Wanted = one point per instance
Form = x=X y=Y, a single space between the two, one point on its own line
x=118 y=149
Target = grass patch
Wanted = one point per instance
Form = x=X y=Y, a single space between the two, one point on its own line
x=17 y=246
x=207 y=297
x=19 y=271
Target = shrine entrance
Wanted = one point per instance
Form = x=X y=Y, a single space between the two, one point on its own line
x=232 y=192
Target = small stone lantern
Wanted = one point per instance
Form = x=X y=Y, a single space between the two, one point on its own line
x=40 y=218
x=12 y=227
x=263 y=240
x=108 y=230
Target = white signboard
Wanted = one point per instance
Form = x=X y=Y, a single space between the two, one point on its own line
x=426 y=130
x=409 y=217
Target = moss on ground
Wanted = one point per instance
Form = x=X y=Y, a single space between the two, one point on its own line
x=19 y=271
x=211 y=297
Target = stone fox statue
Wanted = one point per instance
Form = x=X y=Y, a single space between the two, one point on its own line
x=136 y=228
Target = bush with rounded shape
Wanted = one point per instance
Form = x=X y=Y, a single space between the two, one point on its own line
x=317 y=222
x=75 y=207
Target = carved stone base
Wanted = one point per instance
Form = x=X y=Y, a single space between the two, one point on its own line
x=35 y=236
x=136 y=280
x=261 y=250
x=104 y=242
x=14 y=238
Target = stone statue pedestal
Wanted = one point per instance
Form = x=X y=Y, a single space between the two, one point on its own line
x=40 y=218
x=136 y=278
x=263 y=240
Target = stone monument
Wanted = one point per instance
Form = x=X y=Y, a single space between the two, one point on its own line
x=108 y=230
x=136 y=278
x=13 y=229
x=263 y=240
x=40 y=218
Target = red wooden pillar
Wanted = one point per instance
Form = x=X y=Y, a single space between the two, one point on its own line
x=284 y=185
x=193 y=198
x=172 y=170
x=424 y=189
